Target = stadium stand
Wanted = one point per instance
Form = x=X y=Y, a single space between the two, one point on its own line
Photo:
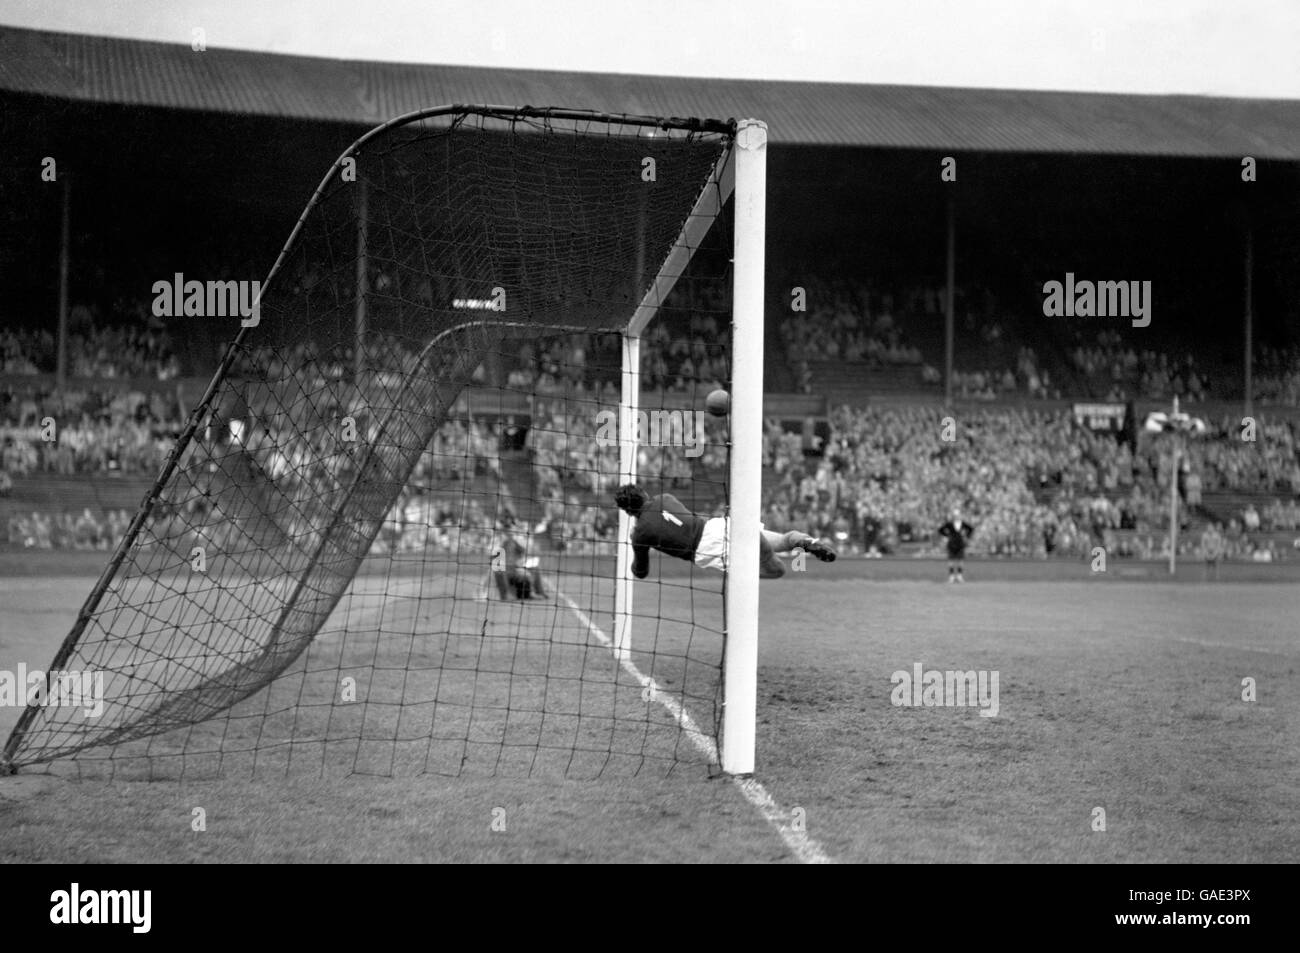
x=1035 y=483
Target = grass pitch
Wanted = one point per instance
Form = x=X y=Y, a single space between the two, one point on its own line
x=1123 y=695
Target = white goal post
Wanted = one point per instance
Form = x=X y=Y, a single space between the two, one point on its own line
x=741 y=173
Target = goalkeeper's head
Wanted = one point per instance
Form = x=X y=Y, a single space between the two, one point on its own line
x=631 y=499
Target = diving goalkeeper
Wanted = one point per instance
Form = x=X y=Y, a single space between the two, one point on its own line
x=663 y=523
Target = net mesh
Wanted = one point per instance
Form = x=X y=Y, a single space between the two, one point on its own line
x=388 y=544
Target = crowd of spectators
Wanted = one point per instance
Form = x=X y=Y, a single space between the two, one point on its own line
x=101 y=431
x=849 y=322
x=1034 y=482
x=1277 y=376
x=685 y=360
x=1027 y=379
x=112 y=353
x=845 y=321
x=692 y=359
x=1119 y=373
x=84 y=530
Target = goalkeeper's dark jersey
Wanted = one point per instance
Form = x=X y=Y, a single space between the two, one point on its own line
x=665 y=525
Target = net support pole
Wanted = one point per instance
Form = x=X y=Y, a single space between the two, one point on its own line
x=65 y=253
x=740 y=672
x=1248 y=319
x=949 y=300
x=629 y=404
x=363 y=210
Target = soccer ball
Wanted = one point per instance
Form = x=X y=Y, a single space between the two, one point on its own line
x=718 y=403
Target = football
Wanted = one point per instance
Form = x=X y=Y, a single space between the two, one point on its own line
x=718 y=403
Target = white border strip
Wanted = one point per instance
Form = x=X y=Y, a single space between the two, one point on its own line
x=805 y=849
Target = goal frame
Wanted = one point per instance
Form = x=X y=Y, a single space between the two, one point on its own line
x=740 y=174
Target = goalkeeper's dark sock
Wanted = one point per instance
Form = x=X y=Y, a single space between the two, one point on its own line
x=769 y=567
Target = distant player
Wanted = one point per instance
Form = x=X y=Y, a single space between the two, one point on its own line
x=514 y=570
x=1212 y=546
x=957 y=532
x=663 y=523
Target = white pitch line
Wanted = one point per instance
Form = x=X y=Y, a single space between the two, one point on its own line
x=1210 y=644
x=804 y=848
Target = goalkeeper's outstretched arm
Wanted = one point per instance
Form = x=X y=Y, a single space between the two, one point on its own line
x=640 y=560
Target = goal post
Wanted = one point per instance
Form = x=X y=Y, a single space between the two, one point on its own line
x=419 y=395
x=629 y=404
x=740 y=678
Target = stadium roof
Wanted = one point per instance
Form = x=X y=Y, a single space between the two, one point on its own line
x=136 y=72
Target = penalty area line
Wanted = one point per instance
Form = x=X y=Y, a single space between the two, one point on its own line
x=805 y=849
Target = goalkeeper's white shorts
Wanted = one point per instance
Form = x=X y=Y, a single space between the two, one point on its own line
x=712 y=551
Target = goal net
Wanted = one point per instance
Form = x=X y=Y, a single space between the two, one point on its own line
x=386 y=541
